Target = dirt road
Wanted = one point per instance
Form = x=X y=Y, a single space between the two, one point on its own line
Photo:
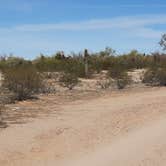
x=124 y=129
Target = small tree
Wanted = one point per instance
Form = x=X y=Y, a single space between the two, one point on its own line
x=69 y=80
x=163 y=42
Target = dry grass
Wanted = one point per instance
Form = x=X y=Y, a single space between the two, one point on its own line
x=2 y=123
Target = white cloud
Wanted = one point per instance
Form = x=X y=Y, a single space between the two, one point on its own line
x=122 y=5
x=147 y=33
x=140 y=23
x=119 y=22
x=120 y=32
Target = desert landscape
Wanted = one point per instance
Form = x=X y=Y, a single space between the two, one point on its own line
x=82 y=83
x=87 y=127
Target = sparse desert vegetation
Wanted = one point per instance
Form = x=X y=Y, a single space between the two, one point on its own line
x=48 y=74
x=24 y=78
x=75 y=77
x=82 y=83
x=69 y=90
x=87 y=71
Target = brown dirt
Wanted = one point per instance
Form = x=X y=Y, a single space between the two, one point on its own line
x=119 y=128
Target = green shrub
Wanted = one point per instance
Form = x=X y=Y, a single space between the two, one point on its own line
x=69 y=80
x=23 y=81
x=149 y=77
x=75 y=63
x=116 y=72
x=162 y=76
x=123 y=80
x=155 y=76
x=120 y=75
x=12 y=61
x=74 y=66
x=2 y=123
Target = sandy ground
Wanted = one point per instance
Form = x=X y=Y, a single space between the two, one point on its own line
x=127 y=128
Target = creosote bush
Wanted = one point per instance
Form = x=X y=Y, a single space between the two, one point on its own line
x=23 y=81
x=54 y=63
x=120 y=75
x=155 y=76
x=123 y=80
x=116 y=72
x=69 y=80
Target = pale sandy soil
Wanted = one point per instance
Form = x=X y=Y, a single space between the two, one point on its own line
x=126 y=128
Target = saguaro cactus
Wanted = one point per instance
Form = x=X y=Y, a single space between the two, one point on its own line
x=86 y=55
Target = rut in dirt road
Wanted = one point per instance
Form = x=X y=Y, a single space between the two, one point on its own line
x=126 y=129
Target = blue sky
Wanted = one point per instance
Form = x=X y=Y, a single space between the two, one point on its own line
x=31 y=27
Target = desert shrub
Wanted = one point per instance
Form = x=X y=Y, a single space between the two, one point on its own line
x=2 y=122
x=74 y=63
x=54 y=63
x=69 y=80
x=1 y=109
x=116 y=72
x=162 y=76
x=120 y=75
x=103 y=60
x=48 y=63
x=155 y=76
x=6 y=96
x=23 y=81
x=75 y=67
x=149 y=77
x=123 y=80
x=12 y=61
x=95 y=63
x=134 y=60
x=48 y=89
x=104 y=84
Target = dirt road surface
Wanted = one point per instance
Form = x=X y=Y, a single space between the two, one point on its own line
x=123 y=129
